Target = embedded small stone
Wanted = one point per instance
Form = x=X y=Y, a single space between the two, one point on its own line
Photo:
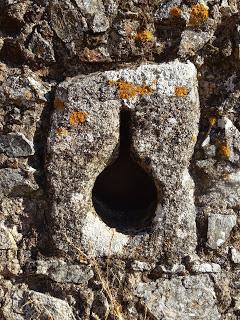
x=205 y=267
x=100 y=22
x=16 y=145
x=141 y=266
x=61 y=271
x=35 y=305
x=235 y=255
x=41 y=47
x=192 y=41
x=6 y=239
x=12 y=181
x=219 y=229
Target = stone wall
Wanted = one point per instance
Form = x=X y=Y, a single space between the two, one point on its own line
x=119 y=159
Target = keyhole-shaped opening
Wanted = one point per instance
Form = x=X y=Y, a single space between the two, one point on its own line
x=124 y=194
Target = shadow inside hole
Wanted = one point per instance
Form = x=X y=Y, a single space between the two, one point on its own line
x=124 y=194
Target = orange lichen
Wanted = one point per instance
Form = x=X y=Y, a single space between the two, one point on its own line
x=128 y=90
x=181 y=91
x=144 y=36
x=212 y=120
x=224 y=150
x=175 y=12
x=77 y=117
x=62 y=131
x=59 y=104
x=199 y=14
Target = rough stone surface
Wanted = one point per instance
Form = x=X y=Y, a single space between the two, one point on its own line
x=12 y=181
x=28 y=304
x=219 y=229
x=235 y=255
x=6 y=239
x=16 y=145
x=182 y=297
x=58 y=258
x=60 y=271
x=177 y=117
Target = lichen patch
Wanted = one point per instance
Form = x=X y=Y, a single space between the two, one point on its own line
x=128 y=90
x=181 y=91
x=212 y=120
x=144 y=36
x=77 y=117
x=175 y=11
x=198 y=15
x=62 y=132
x=224 y=150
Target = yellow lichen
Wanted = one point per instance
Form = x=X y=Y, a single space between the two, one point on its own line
x=194 y=137
x=144 y=36
x=62 y=131
x=28 y=94
x=128 y=90
x=181 y=91
x=175 y=12
x=199 y=14
x=212 y=120
x=77 y=117
x=58 y=104
x=224 y=150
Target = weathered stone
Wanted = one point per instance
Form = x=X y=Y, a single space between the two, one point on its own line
x=21 y=303
x=16 y=145
x=67 y=21
x=237 y=302
x=13 y=182
x=141 y=266
x=6 y=239
x=192 y=41
x=24 y=89
x=232 y=136
x=10 y=264
x=176 y=269
x=61 y=271
x=95 y=11
x=219 y=229
x=198 y=266
x=172 y=87
x=235 y=255
x=41 y=47
x=206 y=267
x=45 y=42
x=191 y=297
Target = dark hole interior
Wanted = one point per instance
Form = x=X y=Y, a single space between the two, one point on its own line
x=124 y=194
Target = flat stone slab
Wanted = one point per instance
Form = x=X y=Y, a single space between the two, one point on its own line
x=84 y=138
